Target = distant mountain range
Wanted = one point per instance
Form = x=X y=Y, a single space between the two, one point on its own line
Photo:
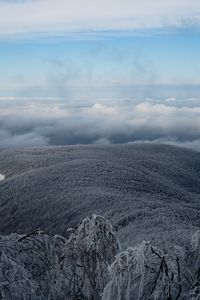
x=147 y=191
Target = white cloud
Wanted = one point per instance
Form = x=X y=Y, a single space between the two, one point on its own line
x=39 y=123
x=171 y=99
x=146 y=107
x=65 y=16
x=100 y=109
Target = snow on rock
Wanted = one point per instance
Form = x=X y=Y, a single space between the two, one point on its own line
x=2 y=177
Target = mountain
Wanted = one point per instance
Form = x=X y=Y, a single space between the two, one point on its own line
x=147 y=191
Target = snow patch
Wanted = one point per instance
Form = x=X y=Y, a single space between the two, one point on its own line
x=2 y=177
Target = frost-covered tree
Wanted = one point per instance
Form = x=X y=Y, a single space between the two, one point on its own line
x=88 y=252
x=27 y=265
x=42 y=266
x=144 y=272
x=191 y=272
x=89 y=265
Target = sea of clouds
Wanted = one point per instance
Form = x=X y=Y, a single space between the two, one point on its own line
x=27 y=122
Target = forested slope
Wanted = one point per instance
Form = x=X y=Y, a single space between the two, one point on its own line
x=147 y=191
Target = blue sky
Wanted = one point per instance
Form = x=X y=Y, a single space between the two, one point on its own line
x=45 y=46
x=171 y=58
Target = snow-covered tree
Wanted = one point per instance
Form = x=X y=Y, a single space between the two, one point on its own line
x=88 y=252
x=89 y=265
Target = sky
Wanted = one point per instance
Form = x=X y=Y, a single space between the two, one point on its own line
x=110 y=71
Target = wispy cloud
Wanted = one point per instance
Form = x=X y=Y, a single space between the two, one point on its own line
x=50 y=17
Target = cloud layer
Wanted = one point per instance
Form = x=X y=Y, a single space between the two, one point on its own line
x=56 y=122
x=52 y=17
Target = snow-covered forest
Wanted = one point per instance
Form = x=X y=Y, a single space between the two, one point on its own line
x=148 y=191
x=89 y=264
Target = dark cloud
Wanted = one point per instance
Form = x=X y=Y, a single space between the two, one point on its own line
x=56 y=122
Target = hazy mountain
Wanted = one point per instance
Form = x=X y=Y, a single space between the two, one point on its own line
x=148 y=191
